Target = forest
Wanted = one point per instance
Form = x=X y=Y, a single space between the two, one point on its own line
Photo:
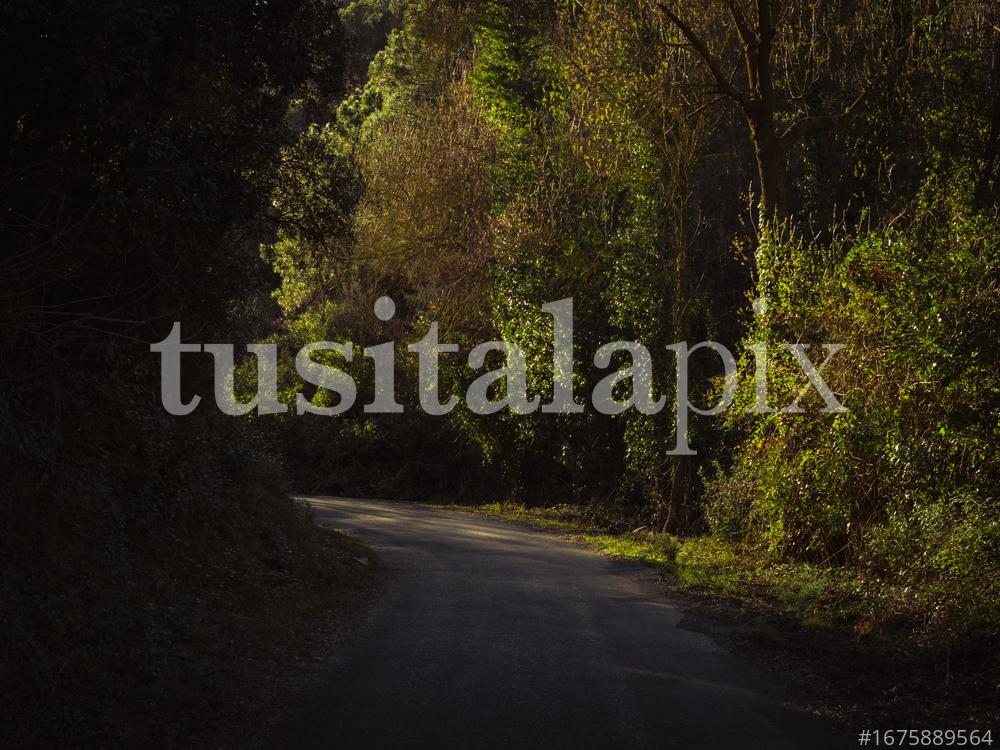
x=665 y=166
x=798 y=177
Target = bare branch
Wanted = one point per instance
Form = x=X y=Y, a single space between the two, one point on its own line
x=724 y=84
x=822 y=123
x=747 y=36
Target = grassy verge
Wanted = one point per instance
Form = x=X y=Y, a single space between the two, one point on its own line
x=813 y=595
x=881 y=652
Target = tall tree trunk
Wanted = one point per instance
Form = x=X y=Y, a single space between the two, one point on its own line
x=985 y=188
x=771 y=165
x=680 y=465
x=677 y=500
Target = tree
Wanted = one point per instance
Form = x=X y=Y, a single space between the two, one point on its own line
x=758 y=34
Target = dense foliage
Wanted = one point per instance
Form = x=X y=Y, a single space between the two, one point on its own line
x=503 y=155
x=138 y=146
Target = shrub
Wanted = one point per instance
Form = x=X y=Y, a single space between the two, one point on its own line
x=903 y=486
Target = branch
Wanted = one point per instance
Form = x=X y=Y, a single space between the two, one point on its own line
x=759 y=59
x=747 y=36
x=822 y=123
x=780 y=12
x=724 y=84
x=765 y=24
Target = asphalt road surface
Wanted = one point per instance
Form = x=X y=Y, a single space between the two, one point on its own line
x=490 y=635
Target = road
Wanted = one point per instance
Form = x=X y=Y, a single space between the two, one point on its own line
x=491 y=635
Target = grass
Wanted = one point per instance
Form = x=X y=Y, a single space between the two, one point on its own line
x=811 y=595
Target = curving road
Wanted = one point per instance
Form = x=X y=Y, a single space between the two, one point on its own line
x=490 y=635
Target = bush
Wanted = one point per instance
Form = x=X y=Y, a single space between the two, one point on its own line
x=903 y=486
